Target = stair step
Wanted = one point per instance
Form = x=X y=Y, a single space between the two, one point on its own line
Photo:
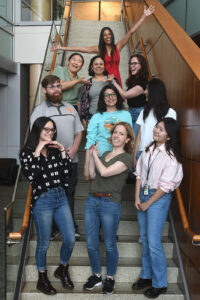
x=122 y=291
x=128 y=228
x=127 y=247
x=128 y=269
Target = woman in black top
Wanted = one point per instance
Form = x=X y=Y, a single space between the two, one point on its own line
x=136 y=83
x=47 y=167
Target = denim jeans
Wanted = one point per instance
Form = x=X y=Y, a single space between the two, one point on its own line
x=53 y=205
x=102 y=211
x=151 y=224
x=135 y=111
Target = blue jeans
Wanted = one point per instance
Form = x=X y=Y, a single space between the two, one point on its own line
x=53 y=205
x=151 y=224
x=102 y=211
x=135 y=111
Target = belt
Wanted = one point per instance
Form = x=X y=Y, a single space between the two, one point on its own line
x=97 y=195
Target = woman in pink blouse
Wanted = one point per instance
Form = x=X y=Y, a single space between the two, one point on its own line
x=158 y=172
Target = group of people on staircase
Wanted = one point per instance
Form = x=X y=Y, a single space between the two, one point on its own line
x=49 y=161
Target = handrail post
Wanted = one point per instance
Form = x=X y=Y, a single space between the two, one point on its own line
x=145 y=55
x=128 y=26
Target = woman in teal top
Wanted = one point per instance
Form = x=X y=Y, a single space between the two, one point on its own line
x=103 y=205
x=110 y=111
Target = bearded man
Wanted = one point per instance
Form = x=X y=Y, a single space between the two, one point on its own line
x=69 y=130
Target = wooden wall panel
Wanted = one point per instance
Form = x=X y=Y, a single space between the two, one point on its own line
x=196 y=112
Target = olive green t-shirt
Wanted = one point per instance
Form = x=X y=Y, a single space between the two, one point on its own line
x=72 y=95
x=112 y=185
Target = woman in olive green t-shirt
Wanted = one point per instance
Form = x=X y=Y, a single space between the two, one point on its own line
x=103 y=205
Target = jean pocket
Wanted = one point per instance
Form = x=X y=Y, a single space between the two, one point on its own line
x=43 y=195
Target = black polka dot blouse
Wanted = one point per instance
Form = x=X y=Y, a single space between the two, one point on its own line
x=45 y=172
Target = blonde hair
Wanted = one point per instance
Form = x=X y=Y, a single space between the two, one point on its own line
x=128 y=147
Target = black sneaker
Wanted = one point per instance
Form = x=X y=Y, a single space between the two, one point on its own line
x=108 y=286
x=92 y=282
x=54 y=234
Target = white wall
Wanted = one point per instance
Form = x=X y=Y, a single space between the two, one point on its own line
x=30 y=44
x=10 y=114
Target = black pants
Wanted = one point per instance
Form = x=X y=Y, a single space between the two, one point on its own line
x=71 y=191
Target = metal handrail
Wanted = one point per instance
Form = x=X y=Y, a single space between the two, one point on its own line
x=195 y=237
x=65 y=36
x=145 y=55
x=128 y=26
x=18 y=235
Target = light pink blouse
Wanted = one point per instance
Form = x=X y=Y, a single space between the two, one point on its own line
x=164 y=173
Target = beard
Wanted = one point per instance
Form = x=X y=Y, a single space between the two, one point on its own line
x=55 y=98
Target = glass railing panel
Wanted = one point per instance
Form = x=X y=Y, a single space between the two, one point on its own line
x=6 y=49
x=39 y=11
x=47 y=63
x=13 y=221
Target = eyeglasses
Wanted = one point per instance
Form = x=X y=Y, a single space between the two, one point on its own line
x=134 y=64
x=107 y=96
x=47 y=130
x=57 y=86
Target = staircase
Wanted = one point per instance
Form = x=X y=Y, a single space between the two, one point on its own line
x=86 y=33
x=129 y=256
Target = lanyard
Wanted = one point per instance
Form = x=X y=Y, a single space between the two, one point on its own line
x=149 y=165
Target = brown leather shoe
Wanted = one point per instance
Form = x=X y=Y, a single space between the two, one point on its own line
x=63 y=274
x=44 y=285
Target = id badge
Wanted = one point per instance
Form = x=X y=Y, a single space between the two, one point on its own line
x=146 y=190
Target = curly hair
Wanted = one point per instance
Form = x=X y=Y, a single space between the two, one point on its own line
x=101 y=104
x=142 y=74
x=128 y=147
x=90 y=70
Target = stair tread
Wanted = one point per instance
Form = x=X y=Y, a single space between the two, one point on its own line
x=120 y=288
x=121 y=239
x=84 y=261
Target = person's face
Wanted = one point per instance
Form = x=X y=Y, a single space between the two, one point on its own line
x=75 y=64
x=160 y=134
x=53 y=92
x=134 y=66
x=107 y=37
x=98 y=66
x=47 y=132
x=119 y=136
x=110 y=98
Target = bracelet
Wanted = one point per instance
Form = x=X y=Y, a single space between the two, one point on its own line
x=62 y=150
x=113 y=81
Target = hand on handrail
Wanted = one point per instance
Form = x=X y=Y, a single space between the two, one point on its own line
x=56 y=47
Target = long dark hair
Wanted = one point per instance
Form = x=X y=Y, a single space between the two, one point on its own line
x=157 y=100
x=101 y=104
x=102 y=45
x=173 y=145
x=34 y=136
x=142 y=75
x=90 y=70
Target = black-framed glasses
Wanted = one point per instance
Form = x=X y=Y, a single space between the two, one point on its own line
x=47 y=130
x=134 y=63
x=107 y=96
x=56 y=86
